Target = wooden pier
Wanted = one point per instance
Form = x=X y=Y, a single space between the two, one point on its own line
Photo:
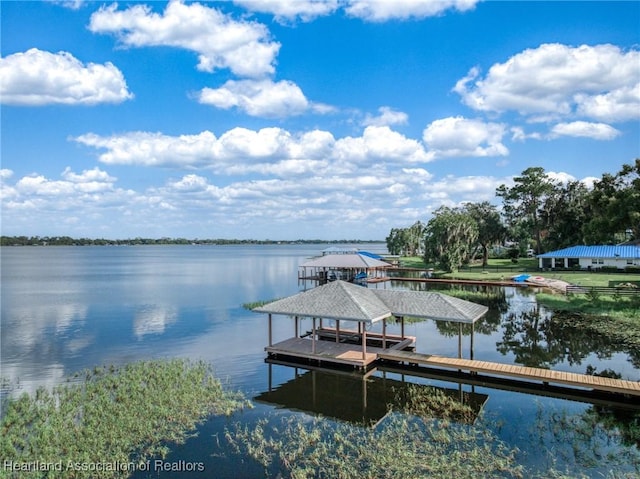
x=328 y=352
x=546 y=376
x=470 y=282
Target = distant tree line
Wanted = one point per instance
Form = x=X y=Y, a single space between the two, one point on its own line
x=538 y=213
x=69 y=241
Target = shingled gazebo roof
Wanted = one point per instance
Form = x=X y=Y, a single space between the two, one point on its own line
x=431 y=305
x=335 y=300
x=346 y=301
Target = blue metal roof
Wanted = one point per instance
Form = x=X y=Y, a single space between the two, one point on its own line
x=632 y=252
x=370 y=255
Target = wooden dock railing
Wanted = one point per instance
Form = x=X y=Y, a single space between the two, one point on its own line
x=606 y=290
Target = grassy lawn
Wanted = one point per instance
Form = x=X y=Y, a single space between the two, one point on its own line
x=502 y=269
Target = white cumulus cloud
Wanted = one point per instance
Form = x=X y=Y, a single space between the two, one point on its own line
x=220 y=41
x=379 y=143
x=88 y=182
x=589 y=181
x=560 y=177
x=152 y=149
x=380 y=11
x=242 y=150
x=37 y=77
x=556 y=80
x=387 y=116
x=95 y=175
x=286 y=10
x=326 y=202
x=266 y=143
x=596 y=131
x=261 y=98
x=190 y=183
x=459 y=137
x=616 y=105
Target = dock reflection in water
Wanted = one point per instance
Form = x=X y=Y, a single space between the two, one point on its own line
x=363 y=399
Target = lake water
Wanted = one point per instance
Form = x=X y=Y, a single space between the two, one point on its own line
x=69 y=308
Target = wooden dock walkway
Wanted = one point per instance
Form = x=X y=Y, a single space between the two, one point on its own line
x=328 y=351
x=470 y=282
x=547 y=376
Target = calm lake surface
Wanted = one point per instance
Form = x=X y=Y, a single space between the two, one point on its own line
x=69 y=308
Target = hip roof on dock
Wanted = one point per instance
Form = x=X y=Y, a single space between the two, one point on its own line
x=346 y=301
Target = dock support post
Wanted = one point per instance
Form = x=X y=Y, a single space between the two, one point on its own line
x=460 y=340
x=337 y=330
x=471 y=347
x=384 y=333
x=270 y=331
x=402 y=326
x=364 y=343
x=297 y=330
x=313 y=345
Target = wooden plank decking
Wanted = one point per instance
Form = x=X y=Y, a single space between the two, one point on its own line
x=348 y=350
x=351 y=354
x=523 y=372
x=327 y=351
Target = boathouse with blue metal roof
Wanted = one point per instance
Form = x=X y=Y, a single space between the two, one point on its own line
x=591 y=257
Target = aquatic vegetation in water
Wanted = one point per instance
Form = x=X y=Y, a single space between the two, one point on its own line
x=427 y=403
x=542 y=338
x=596 y=440
x=400 y=447
x=408 y=443
x=611 y=306
x=494 y=297
x=256 y=304
x=111 y=422
x=434 y=435
x=622 y=331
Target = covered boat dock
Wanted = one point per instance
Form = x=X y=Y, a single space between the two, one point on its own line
x=341 y=302
x=347 y=266
x=360 y=348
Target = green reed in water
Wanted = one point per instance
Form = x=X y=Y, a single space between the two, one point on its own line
x=409 y=443
x=110 y=422
x=431 y=436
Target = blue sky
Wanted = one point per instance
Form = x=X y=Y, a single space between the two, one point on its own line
x=308 y=119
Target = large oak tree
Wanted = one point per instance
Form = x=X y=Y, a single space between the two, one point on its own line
x=524 y=200
x=450 y=237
